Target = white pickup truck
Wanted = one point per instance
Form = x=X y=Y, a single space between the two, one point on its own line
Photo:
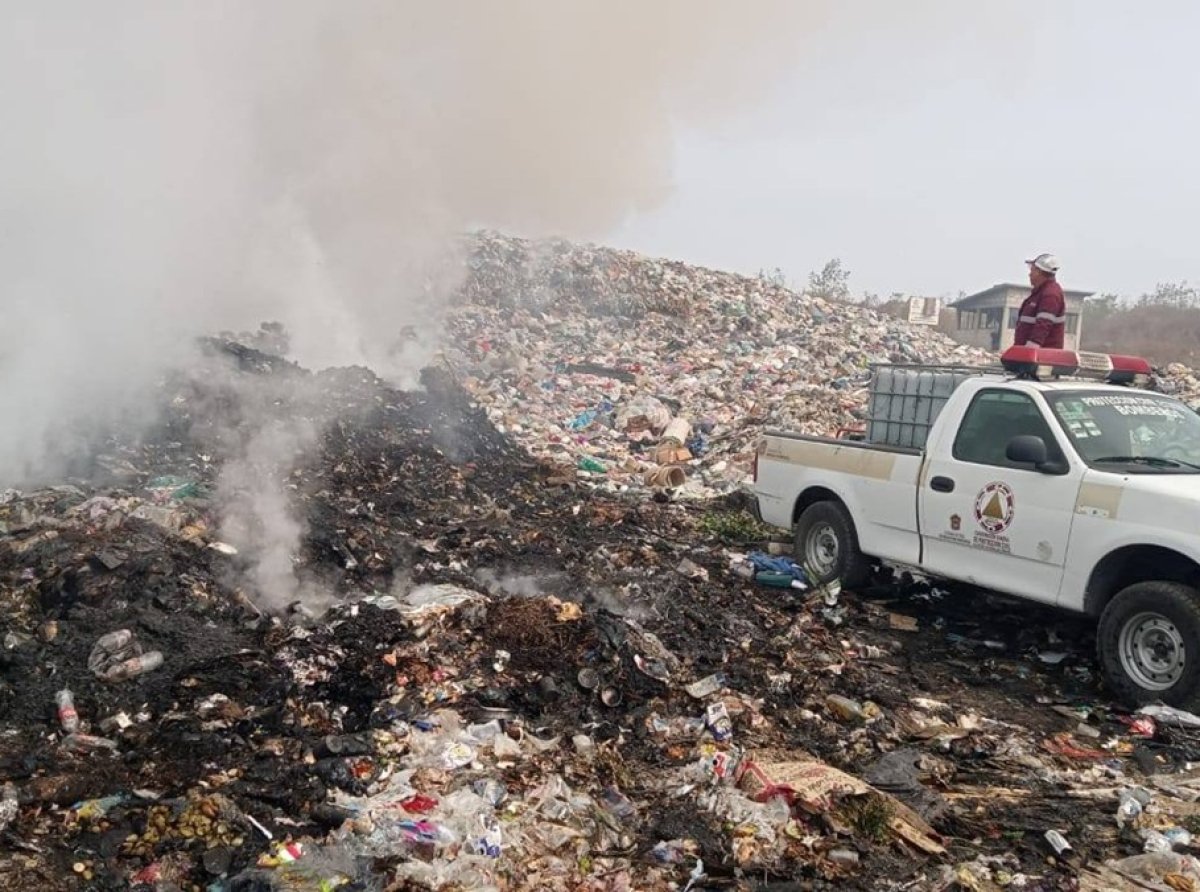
x=1028 y=480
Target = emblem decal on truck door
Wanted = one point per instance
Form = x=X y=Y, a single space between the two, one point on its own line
x=994 y=507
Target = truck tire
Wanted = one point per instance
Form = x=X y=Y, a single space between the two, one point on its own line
x=1148 y=643
x=827 y=546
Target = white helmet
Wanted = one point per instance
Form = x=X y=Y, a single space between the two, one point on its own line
x=1047 y=263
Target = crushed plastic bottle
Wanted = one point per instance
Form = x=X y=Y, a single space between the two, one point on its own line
x=706 y=686
x=851 y=710
x=133 y=667
x=1058 y=842
x=111 y=648
x=843 y=857
x=68 y=718
x=8 y=805
x=1131 y=803
x=1154 y=843
x=744 y=569
x=831 y=592
x=87 y=743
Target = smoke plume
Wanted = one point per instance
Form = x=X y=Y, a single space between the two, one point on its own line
x=178 y=167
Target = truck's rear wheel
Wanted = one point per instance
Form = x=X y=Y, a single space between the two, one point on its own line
x=1149 y=644
x=827 y=546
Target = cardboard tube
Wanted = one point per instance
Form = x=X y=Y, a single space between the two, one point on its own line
x=677 y=431
x=666 y=477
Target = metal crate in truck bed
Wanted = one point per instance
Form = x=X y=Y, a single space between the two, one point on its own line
x=905 y=400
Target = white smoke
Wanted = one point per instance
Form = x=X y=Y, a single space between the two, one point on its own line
x=258 y=517
x=180 y=167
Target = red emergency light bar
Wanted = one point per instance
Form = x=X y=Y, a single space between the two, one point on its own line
x=1042 y=362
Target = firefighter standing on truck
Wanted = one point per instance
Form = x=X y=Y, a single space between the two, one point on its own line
x=1042 y=321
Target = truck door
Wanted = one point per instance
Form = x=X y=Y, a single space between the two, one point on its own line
x=989 y=521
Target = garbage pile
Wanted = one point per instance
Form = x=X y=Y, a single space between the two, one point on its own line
x=1181 y=382
x=486 y=676
x=653 y=373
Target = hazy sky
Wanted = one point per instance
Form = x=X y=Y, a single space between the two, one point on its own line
x=936 y=155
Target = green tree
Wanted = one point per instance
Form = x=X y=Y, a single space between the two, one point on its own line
x=1171 y=294
x=1101 y=307
x=831 y=283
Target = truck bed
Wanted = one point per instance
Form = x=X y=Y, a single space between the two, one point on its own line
x=878 y=483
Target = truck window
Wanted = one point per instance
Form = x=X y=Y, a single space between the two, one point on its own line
x=1132 y=431
x=995 y=417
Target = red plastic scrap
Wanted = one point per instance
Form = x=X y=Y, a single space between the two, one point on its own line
x=1063 y=745
x=148 y=875
x=1143 y=726
x=361 y=768
x=418 y=804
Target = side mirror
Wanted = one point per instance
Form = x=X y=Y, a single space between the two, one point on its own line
x=1028 y=449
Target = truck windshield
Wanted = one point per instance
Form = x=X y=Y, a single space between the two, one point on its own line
x=1133 y=432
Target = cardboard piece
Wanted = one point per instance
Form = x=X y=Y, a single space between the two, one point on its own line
x=813 y=785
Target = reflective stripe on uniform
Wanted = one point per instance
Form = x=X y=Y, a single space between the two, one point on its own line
x=1028 y=320
x=1050 y=316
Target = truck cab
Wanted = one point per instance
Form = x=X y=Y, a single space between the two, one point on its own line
x=1049 y=478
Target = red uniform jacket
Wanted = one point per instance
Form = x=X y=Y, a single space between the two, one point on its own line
x=1043 y=317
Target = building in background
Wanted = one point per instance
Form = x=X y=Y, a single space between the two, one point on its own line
x=989 y=318
x=924 y=310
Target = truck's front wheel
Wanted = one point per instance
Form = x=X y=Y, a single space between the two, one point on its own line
x=827 y=546
x=1149 y=644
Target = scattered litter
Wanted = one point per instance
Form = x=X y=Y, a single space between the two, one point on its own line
x=608 y=711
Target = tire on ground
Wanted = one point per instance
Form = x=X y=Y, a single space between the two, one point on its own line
x=1178 y=605
x=852 y=566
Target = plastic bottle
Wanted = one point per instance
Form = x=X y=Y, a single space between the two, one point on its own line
x=87 y=743
x=845 y=708
x=134 y=667
x=67 y=716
